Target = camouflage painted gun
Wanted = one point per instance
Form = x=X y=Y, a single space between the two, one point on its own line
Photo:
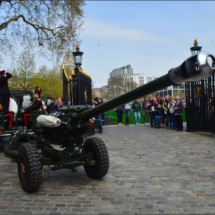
x=74 y=125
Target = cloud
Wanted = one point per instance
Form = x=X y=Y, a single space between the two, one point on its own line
x=113 y=32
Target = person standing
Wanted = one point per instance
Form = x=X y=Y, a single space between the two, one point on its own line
x=159 y=101
x=172 y=113
x=178 y=107
x=119 y=112
x=99 y=117
x=145 y=108
x=4 y=90
x=5 y=99
x=127 y=109
x=166 y=110
x=136 y=108
x=152 y=105
x=101 y=101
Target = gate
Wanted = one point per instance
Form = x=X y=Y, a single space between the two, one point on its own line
x=200 y=103
x=77 y=88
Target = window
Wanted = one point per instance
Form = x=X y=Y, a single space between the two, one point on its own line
x=181 y=86
x=165 y=93
x=161 y=94
x=131 y=78
x=149 y=79
x=170 y=92
x=175 y=87
x=125 y=71
x=141 y=82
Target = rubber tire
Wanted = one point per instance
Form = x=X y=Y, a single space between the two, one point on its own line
x=100 y=155
x=28 y=153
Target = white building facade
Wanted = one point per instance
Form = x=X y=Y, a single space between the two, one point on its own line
x=170 y=91
x=141 y=78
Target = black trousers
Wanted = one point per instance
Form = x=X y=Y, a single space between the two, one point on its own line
x=179 y=123
x=5 y=102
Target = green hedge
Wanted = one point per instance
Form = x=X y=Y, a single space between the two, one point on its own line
x=131 y=117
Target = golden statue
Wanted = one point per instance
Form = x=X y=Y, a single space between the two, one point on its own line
x=85 y=95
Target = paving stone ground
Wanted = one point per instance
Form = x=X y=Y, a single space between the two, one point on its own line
x=152 y=171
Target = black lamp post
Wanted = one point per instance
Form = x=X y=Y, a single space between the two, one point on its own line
x=76 y=86
x=77 y=58
x=195 y=49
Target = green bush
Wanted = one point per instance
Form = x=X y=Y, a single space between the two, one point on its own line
x=131 y=117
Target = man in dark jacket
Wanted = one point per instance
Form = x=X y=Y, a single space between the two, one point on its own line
x=159 y=116
x=178 y=107
x=4 y=90
x=146 y=108
x=35 y=106
x=5 y=99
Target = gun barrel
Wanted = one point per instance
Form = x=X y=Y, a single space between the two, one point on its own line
x=194 y=68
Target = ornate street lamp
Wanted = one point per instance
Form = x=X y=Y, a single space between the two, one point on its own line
x=77 y=58
x=195 y=49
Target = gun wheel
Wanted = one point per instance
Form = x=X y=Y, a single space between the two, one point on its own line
x=29 y=168
x=97 y=151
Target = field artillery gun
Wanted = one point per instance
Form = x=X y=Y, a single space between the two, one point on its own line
x=72 y=124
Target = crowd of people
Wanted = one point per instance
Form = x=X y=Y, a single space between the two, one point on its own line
x=166 y=111
x=157 y=112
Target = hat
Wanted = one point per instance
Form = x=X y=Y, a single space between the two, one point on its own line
x=2 y=72
x=38 y=90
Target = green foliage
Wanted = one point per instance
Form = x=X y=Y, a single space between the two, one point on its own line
x=50 y=81
x=22 y=70
x=131 y=117
x=23 y=77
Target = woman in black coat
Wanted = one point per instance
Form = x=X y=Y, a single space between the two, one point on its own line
x=119 y=112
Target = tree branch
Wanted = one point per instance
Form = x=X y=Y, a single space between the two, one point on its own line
x=5 y=25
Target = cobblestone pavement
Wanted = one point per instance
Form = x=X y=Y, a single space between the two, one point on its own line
x=152 y=171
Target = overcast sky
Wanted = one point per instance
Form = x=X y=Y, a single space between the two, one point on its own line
x=152 y=37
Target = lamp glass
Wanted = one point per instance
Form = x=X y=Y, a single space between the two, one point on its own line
x=78 y=59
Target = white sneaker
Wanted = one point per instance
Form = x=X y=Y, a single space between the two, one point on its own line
x=136 y=124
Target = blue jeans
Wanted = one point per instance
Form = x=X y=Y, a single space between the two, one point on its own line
x=127 y=114
x=99 y=124
x=119 y=115
x=172 y=116
x=152 y=116
x=135 y=116
x=158 y=120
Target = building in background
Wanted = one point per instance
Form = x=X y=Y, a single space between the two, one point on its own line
x=122 y=72
x=68 y=61
x=172 y=91
x=96 y=92
x=141 y=78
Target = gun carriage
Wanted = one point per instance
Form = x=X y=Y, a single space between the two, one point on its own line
x=72 y=124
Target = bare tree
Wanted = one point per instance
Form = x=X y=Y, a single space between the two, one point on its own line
x=47 y=26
